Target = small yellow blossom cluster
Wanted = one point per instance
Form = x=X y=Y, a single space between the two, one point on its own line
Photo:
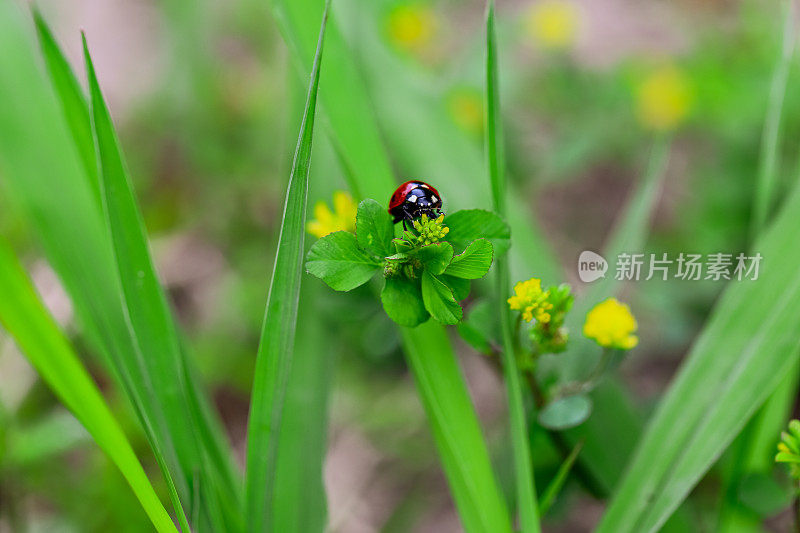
x=611 y=324
x=531 y=301
x=342 y=218
x=430 y=230
x=663 y=99
x=411 y=27
x=553 y=23
x=789 y=449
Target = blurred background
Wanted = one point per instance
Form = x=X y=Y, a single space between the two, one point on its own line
x=207 y=100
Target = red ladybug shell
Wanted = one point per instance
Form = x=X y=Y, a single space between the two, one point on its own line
x=400 y=194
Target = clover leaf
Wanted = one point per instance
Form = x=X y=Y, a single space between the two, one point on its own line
x=374 y=228
x=436 y=257
x=439 y=300
x=470 y=224
x=337 y=260
x=474 y=262
x=402 y=300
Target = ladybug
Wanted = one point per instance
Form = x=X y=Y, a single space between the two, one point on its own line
x=413 y=199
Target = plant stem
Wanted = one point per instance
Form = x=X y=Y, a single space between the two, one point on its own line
x=526 y=489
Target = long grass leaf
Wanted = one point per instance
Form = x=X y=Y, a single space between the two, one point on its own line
x=299 y=496
x=48 y=182
x=767 y=181
x=557 y=483
x=23 y=316
x=741 y=356
x=526 y=490
x=144 y=302
x=752 y=452
x=72 y=100
x=456 y=429
x=275 y=351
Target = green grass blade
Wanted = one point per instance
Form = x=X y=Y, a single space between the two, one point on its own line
x=50 y=185
x=525 y=487
x=344 y=101
x=299 y=497
x=766 y=186
x=275 y=351
x=24 y=317
x=72 y=100
x=48 y=182
x=190 y=424
x=146 y=309
x=456 y=429
x=753 y=452
x=554 y=488
x=740 y=358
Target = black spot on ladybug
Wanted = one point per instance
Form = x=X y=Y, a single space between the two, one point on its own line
x=413 y=199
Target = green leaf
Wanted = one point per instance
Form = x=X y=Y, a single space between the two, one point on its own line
x=374 y=228
x=740 y=358
x=566 y=412
x=468 y=225
x=435 y=257
x=478 y=328
x=439 y=300
x=459 y=286
x=456 y=429
x=38 y=337
x=276 y=347
x=337 y=260
x=472 y=263
x=402 y=301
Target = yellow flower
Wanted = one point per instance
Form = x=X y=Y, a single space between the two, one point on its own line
x=789 y=449
x=611 y=325
x=663 y=99
x=411 y=26
x=531 y=300
x=343 y=217
x=553 y=23
x=465 y=106
x=430 y=230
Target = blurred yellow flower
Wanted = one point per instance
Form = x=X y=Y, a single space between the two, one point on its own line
x=411 y=26
x=663 y=99
x=342 y=218
x=611 y=324
x=531 y=300
x=465 y=106
x=553 y=23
